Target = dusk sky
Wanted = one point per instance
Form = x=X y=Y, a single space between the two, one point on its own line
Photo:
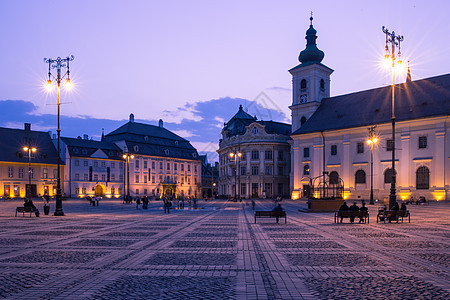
x=191 y=63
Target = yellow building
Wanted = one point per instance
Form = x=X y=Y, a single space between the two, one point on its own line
x=22 y=169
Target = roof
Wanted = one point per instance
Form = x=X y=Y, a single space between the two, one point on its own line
x=140 y=129
x=424 y=98
x=272 y=127
x=12 y=142
x=237 y=123
x=85 y=148
x=152 y=140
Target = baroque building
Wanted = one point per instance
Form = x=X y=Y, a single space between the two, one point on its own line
x=162 y=162
x=92 y=168
x=330 y=133
x=254 y=158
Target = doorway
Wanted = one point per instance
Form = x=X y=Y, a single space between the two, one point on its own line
x=99 y=190
x=254 y=190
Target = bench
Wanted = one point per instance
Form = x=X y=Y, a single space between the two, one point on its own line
x=270 y=214
x=23 y=210
x=393 y=215
x=350 y=213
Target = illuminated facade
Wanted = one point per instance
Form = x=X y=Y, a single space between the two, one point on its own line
x=339 y=126
x=163 y=163
x=92 y=168
x=260 y=154
x=15 y=162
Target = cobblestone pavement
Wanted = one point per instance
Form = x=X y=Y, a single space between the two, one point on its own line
x=115 y=251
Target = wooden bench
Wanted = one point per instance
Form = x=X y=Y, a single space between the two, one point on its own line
x=393 y=215
x=270 y=214
x=350 y=213
x=23 y=210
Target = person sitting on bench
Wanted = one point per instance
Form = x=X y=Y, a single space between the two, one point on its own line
x=354 y=207
x=29 y=203
x=344 y=207
x=278 y=208
x=363 y=208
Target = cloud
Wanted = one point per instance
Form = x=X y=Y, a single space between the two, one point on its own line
x=201 y=123
x=184 y=133
x=279 y=88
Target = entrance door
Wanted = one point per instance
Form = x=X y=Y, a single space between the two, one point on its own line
x=99 y=190
x=306 y=190
x=31 y=188
x=254 y=190
x=6 y=190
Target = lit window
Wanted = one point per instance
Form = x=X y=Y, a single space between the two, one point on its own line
x=306 y=170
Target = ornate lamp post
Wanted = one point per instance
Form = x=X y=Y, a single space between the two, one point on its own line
x=372 y=140
x=235 y=155
x=127 y=157
x=29 y=149
x=58 y=64
x=394 y=60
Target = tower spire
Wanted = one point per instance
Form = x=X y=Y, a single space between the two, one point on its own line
x=408 y=75
x=311 y=54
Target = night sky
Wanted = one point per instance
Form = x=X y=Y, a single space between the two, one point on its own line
x=191 y=63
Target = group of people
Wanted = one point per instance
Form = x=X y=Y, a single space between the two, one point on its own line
x=354 y=207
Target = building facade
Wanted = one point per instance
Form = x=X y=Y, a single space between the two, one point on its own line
x=254 y=158
x=160 y=162
x=93 y=168
x=21 y=170
x=330 y=134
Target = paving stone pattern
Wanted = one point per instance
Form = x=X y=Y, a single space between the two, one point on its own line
x=115 y=251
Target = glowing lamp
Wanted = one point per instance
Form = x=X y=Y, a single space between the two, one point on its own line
x=49 y=85
x=68 y=85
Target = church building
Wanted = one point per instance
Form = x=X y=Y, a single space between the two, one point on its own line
x=330 y=134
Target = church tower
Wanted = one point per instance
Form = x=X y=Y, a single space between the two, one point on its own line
x=310 y=81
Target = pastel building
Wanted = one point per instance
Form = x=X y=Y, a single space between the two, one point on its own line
x=22 y=170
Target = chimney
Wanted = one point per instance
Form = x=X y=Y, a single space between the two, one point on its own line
x=131 y=118
x=27 y=126
x=85 y=137
x=161 y=123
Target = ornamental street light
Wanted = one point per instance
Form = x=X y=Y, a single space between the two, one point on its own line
x=394 y=60
x=29 y=149
x=235 y=155
x=127 y=157
x=372 y=140
x=58 y=64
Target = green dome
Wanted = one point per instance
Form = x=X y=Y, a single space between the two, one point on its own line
x=311 y=54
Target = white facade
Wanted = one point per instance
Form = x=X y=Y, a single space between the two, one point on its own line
x=410 y=159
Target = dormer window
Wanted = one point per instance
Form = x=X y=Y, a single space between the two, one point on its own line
x=166 y=151
x=176 y=143
x=194 y=155
x=303 y=85
x=75 y=150
x=146 y=138
x=84 y=151
x=255 y=130
x=136 y=148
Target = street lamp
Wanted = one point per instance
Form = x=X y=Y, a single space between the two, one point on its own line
x=127 y=157
x=395 y=62
x=58 y=64
x=235 y=156
x=29 y=149
x=372 y=140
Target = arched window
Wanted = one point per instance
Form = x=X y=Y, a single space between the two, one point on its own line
x=360 y=177
x=255 y=130
x=422 y=178
x=334 y=177
x=388 y=176
x=302 y=120
x=322 y=84
x=306 y=170
x=303 y=84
